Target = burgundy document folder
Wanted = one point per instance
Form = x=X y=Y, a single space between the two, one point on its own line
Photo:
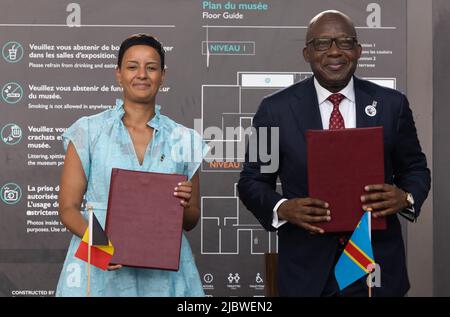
x=144 y=220
x=340 y=163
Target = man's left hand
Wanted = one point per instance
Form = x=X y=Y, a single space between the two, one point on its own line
x=384 y=200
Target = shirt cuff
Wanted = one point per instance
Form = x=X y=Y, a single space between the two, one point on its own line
x=409 y=214
x=277 y=223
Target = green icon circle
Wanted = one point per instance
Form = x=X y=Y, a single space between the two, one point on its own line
x=12 y=52
x=10 y=91
x=11 y=193
x=11 y=134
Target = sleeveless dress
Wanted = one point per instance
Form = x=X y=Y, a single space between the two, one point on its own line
x=102 y=143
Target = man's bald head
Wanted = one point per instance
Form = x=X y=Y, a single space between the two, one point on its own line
x=326 y=16
x=332 y=49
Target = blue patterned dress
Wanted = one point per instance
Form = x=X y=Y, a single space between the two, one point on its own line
x=103 y=142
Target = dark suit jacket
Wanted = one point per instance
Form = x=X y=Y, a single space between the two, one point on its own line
x=305 y=260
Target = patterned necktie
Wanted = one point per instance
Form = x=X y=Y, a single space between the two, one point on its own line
x=336 y=119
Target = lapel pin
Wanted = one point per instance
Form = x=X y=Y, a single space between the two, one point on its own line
x=371 y=110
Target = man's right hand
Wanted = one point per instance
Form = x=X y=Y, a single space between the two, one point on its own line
x=304 y=212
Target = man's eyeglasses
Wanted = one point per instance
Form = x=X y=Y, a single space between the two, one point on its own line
x=323 y=44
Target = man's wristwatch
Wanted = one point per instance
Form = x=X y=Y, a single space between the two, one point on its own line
x=409 y=199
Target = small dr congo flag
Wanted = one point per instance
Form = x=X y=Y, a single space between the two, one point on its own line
x=357 y=256
x=102 y=249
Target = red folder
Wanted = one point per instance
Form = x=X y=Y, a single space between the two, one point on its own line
x=144 y=219
x=340 y=163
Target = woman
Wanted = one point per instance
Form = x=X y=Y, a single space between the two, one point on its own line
x=135 y=136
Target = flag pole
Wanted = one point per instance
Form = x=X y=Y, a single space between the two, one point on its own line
x=89 y=207
x=369 y=223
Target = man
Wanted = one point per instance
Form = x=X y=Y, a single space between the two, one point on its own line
x=334 y=98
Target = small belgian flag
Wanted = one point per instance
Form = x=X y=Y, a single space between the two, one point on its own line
x=102 y=249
